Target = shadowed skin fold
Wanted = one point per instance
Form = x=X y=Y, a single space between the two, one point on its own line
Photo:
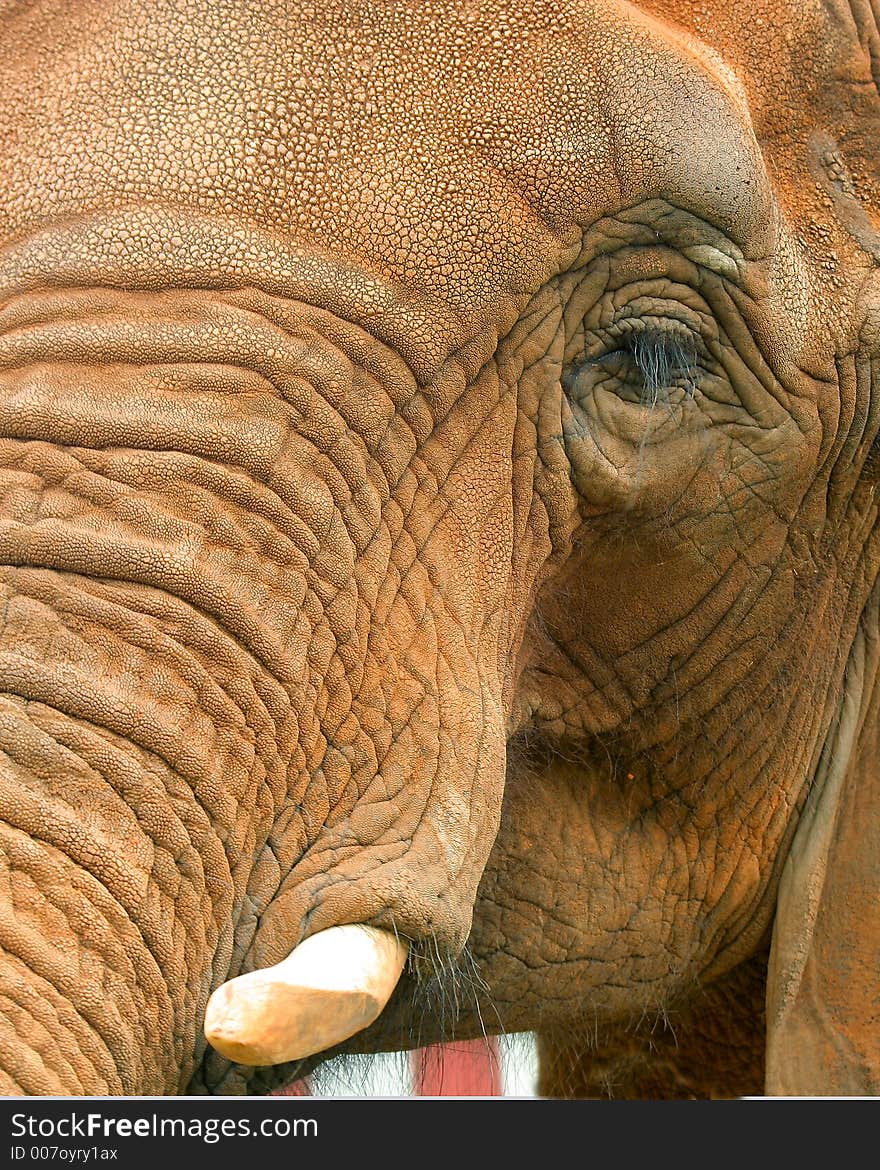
x=438 y=464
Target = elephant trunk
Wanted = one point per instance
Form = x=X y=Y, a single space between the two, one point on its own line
x=259 y=694
x=139 y=783
x=113 y=909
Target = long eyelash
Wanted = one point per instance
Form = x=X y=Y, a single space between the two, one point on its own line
x=661 y=359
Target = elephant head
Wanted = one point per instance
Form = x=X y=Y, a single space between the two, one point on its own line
x=440 y=451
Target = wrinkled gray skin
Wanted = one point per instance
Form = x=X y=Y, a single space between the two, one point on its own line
x=439 y=462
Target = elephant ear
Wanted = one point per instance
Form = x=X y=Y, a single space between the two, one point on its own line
x=823 y=986
x=823 y=982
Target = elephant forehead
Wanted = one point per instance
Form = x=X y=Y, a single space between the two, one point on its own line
x=452 y=145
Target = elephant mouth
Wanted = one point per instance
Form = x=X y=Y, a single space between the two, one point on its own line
x=423 y=1009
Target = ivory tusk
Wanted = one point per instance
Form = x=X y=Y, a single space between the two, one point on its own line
x=328 y=988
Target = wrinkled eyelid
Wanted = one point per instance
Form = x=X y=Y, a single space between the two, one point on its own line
x=708 y=256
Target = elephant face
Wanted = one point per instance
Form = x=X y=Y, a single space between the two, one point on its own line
x=439 y=452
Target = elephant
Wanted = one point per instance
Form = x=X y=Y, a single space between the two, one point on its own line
x=440 y=537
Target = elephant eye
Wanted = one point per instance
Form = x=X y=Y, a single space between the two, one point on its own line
x=641 y=364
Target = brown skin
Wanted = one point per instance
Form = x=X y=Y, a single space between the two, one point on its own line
x=349 y=578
